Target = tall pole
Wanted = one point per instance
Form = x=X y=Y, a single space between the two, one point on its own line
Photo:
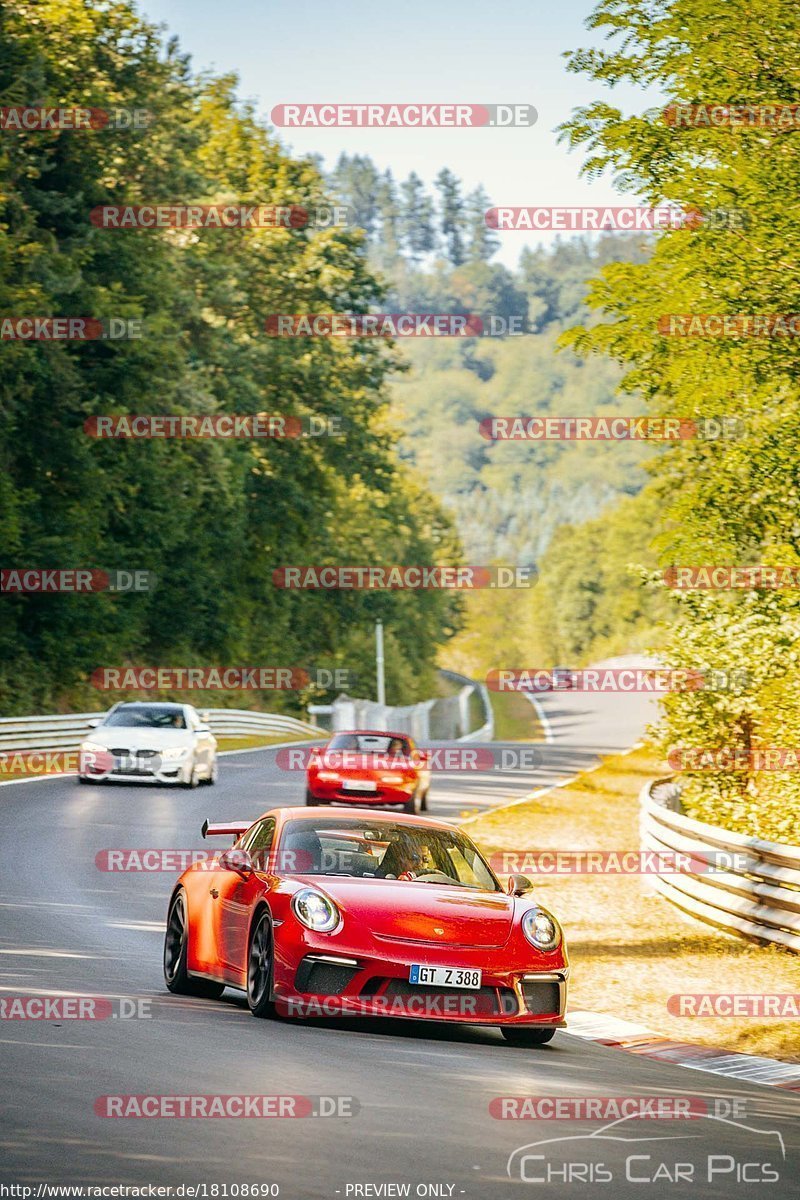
x=379 y=662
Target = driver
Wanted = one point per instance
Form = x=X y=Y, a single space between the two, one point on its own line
x=406 y=860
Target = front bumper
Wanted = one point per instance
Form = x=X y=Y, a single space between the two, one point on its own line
x=327 y=983
x=333 y=793
x=147 y=768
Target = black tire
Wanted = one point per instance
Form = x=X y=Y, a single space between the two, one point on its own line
x=312 y=800
x=176 y=946
x=519 y=1036
x=259 y=967
x=423 y=807
x=412 y=805
x=212 y=777
x=84 y=779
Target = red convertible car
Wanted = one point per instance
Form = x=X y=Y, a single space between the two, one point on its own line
x=316 y=913
x=369 y=767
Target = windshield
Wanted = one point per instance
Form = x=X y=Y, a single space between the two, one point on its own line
x=370 y=743
x=147 y=716
x=383 y=850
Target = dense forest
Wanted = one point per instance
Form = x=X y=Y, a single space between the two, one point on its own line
x=409 y=479
x=210 y=519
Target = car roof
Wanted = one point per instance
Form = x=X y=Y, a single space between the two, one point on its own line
x=371 y=733
x=374 y=816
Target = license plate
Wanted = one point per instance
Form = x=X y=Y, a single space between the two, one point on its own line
x=454 y=977
x=358 y=785
x=132 y=764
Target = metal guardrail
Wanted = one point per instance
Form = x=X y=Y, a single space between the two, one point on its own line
x=447 y=718
x=57 y=732
x=486 y=731
x=756 y=897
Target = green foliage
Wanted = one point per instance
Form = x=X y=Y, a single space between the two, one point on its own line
x=736 y=501
x=211 y=519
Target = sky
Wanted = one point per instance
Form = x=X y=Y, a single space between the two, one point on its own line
x=418 y=51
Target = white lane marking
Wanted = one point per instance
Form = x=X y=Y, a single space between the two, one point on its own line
x=139 y=926
x=46 y=1045
x=544 y=720
x=49 y=954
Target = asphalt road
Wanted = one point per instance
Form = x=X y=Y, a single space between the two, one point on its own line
x=420 y=1092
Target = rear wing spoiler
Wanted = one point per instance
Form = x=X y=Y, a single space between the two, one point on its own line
x=236 y=828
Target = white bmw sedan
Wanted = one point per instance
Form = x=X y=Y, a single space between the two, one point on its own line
x=143 y=742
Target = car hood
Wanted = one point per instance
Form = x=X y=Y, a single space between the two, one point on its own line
x=134 y=737
x=421 y=912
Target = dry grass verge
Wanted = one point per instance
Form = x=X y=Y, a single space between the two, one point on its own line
x=630 y=949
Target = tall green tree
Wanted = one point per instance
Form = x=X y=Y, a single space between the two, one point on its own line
x=451 y=216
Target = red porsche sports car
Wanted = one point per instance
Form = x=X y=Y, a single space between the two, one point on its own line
x=369 y=767
x=316 y=913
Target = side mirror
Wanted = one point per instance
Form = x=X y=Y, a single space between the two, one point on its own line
x=236 y=860
x=518 y=885
x=95 y=721
x=204 y=715
x=423 y=757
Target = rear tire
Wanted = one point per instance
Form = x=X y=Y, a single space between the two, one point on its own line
x=423 y=807
x=528 y=1037
x=413 y=804
x=259 y=968
x=176 y=949
x=312 y=801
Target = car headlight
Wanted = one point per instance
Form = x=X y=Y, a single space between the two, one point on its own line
x=392 y=779
x=173 y=752
x=541 y=930
x=91 y=748
x=331 y=776
x=315 y=911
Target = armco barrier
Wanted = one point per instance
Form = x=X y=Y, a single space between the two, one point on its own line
x=757 y=896
x=65 y=732
x=448 y=718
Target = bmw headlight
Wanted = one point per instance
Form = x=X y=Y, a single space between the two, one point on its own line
x=315 y=911
x=172 y=753
x=91 y=748
x=541 y=930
